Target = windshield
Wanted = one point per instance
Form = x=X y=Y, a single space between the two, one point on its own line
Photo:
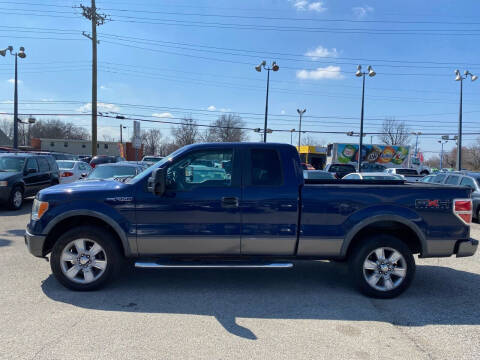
x=108 y=172
x=381 y=177
x=11 y=164
x=407 y=172
x=152 y=159
x=155 y=166
x=65 y=164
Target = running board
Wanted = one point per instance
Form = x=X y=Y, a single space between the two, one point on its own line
x=209 y=265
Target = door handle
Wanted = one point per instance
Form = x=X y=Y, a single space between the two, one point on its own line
x=229 y=202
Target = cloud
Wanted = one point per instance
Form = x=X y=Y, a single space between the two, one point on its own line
x=12 y=81
x=102 y=107
x=103 y=87
x=6 y=102
x=162 y=115
x=305 y=5
x=362 y=11
x=211 y=108
x=282 y=112
x=329 y=72
x=321 y=52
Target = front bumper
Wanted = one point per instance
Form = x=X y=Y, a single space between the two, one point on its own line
x=466 y=247
x=35 y=243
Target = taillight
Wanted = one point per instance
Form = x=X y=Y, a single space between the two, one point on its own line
x=462 y=208
x=92 y=165
x=67 y=174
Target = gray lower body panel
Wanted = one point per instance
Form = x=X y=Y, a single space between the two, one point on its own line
x=315 y=246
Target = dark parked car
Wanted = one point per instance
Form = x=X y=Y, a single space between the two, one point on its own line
x=116 y=171
x=340 y=170
x=57 y=155
x=23 y=175
x=105 y=159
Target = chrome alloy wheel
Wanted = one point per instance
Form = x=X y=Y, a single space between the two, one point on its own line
x=83 y=261
x=384 y=269
x=17 y=198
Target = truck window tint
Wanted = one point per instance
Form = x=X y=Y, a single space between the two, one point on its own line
x=407 y=172
x=266 y=168
x=43 y=164
x=203 y=168
x=439 y=179
x=452 y=180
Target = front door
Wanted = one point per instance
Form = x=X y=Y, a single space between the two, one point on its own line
x=199 y=212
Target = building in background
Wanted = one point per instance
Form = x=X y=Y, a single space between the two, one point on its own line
x=83 y=147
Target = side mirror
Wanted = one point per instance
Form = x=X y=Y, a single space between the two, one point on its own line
x=157 y=181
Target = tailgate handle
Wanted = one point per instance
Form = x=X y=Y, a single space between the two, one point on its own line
x=230 y=202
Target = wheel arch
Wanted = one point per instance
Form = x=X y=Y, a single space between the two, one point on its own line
x=85 y=217
x=400 y=227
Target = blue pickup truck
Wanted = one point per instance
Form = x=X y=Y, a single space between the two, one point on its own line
x=255 y=210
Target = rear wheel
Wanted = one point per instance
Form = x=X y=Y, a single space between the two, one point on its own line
x=16 y=198
x=85 y=258
x=382 y=266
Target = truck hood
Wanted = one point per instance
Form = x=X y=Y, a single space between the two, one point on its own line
x=8 y=174
x=88 y=189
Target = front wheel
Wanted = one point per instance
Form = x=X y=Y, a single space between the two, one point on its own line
x=382 y=266
x=85 y=258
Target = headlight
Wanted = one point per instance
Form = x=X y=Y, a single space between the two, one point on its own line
x=38 y=209
x=3 y=183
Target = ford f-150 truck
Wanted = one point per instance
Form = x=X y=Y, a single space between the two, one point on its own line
x=246 y=205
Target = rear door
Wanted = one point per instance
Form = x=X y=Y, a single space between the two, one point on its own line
x=44 y=173
x=270 y=202
x=32 y=180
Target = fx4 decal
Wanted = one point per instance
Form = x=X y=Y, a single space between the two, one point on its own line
x=432 y=204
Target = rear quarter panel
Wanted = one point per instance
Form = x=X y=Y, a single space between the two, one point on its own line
x=333 y=213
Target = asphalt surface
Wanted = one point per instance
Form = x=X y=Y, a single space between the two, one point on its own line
x=308 y=312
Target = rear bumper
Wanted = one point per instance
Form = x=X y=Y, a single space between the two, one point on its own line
x=35 y=243
x=466 y=247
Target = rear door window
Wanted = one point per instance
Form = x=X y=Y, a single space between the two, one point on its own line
x=466 y=181
x=266 y=168
x=43 y=164
x=452 y=180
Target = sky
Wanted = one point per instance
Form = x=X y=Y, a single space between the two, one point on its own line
x=163 y=60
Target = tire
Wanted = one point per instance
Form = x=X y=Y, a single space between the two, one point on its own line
x=15 y=201
x=375 y=277
x=77 y=266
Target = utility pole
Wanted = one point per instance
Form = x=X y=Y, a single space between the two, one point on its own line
x=97 y=20
x=300 y=113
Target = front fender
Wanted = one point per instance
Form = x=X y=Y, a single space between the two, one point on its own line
x=122 y=227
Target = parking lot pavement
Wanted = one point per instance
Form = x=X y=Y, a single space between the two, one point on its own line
x=310 y=311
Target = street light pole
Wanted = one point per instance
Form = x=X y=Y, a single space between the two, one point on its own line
x=291 y=136
x=460 y=78
x=362 y=74
x=300 y=112
x=20 y=54
x=441 y=152
x=259 y=67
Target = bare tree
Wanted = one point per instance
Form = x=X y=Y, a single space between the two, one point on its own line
x=152 y=141
x=186 y=133
x=309 y=140
x=227 y=128
x=57 y=129
x=394 y=132
x=6 y=126
x=107 y=137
